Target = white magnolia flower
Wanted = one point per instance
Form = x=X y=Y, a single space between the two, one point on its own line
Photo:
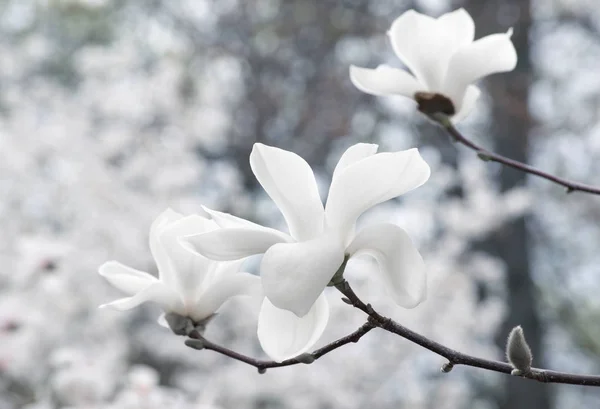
x=297 y=267
x=188 y=284
x=442 y=57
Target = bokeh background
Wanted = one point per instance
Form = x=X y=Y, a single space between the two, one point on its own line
x=113 y=110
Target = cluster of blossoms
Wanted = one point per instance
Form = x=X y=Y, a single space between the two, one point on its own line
x=199 y=257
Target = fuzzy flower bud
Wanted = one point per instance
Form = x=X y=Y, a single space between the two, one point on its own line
x=518 y=352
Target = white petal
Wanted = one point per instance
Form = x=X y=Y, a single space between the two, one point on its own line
x=290 y=182
x=385 y=80
x=235 y=243
x=423 y=46
x=227 y=220
x=162 y=321
x=295 y=274
x=221 y=290
x=157 y=292
x=458 y=27
x=468 y=103
x=488 y=55
x=371 y=181
x=283 y=335
x=190 y=268
x=354 y=154
x=126 y=279
x=161 y=258
x=400 y=264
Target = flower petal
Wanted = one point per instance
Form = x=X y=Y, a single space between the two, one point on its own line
x=190 y=268
x=418 y=40
x=488 y=55
x=126 y=279
x=385 y=80
x=400 y=264
x=283 y=335
x=226 y=220
x=290 y=182
x=371 y=181
x=221 y=290
x=468 y=103
x=354 y=154
x=161 y=258
x=458 y=27
x=295 y=274
x=156 y=292
x=235 y=243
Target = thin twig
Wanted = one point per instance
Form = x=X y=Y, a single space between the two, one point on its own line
x=458 y=358
x=490 y=156
x=197 y=341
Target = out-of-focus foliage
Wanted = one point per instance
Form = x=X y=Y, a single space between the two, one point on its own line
x=112 y=110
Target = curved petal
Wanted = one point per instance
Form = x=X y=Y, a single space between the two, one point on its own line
x=290 y=182
x=190 y=268
x=159 y=254
x=400 y=264
x=227 y=221
x=221 y=290
x=283 y=335
x=488 y=55
x=371 y=181
x=235 y=243
x=468 y=103
x=162 y=321
x=385 y=80
x=354 y=154
x=458 y=28
x=422 y=47
x=295 y=274
x=126 y=279
x=156 y=292
x=221 y=269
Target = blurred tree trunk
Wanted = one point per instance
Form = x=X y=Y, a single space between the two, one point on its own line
x=509 y=130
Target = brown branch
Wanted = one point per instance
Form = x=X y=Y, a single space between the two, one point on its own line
x=197 y=341
x=458 y=358
x=490 y=156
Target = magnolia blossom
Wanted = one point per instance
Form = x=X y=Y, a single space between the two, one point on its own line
x=442 y=57
x=188 y=284
x=297 y=267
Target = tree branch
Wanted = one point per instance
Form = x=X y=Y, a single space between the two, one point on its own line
x=458 y=358
x=198 y=341
x=490 y=156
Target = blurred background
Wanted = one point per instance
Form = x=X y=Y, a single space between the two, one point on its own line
x=113 y=110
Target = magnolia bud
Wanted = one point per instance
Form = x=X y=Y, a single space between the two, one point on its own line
x=518 y=352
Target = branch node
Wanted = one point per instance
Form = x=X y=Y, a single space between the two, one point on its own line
x=447 y=367
x=484 y=156
x=306 y=358
x=262 y=370
x=347 y=301
x=195 y=343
